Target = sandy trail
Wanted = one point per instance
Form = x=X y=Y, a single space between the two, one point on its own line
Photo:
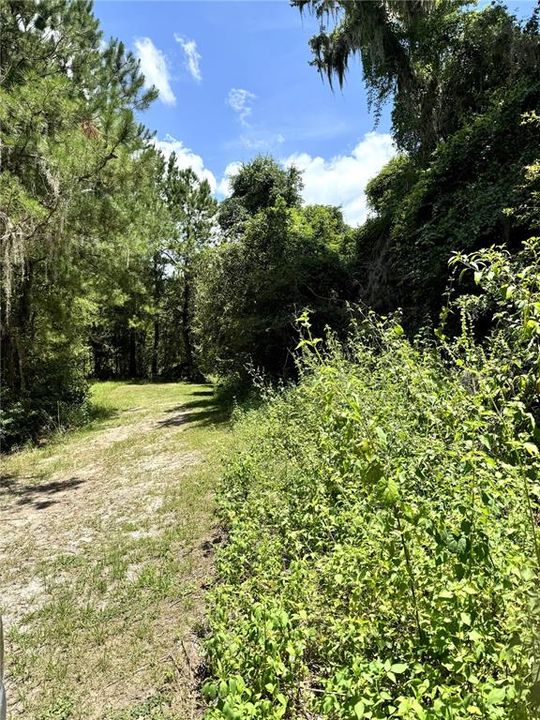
x=65 y=513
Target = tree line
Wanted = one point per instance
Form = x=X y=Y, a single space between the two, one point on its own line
x=118 y=264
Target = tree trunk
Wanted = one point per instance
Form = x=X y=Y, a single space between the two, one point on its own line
x=7 y=350
x=155 y=347
x=186 y=324
x=132 y=354
x=21 y=326
x=157 y=298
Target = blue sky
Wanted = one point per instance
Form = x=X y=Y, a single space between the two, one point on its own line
x=235 y=80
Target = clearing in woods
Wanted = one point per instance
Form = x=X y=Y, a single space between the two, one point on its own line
x=105 y=552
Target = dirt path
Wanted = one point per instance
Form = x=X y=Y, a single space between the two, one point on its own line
x=105 y=552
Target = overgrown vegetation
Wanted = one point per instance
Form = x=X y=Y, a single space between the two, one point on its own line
x=383 y=555
x=460 y=80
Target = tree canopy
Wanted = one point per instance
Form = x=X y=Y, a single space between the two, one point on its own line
x=437 y=61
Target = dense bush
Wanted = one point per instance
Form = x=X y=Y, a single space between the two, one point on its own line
x=382 y=557
x=56 y=398
x=460 y=201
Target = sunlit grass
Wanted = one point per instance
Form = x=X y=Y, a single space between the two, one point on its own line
x=118 y=572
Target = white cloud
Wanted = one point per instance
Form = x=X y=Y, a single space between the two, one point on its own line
x=193 y=56
x=240 y=101
x=186 y=158
x=253 y=136
x=155 y=69
x=260 y=140
x=342 y=179
x=224 y=186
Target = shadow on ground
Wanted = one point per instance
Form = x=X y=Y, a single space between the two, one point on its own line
x=208 y=403
x=39 y=496
x=199 y=412
x=98 y=412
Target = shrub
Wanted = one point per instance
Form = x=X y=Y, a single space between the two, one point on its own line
x=54 y=398
x=382 y=557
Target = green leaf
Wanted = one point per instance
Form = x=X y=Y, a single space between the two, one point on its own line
x=446 y=594
x=229 y=712
x=391 y=493
x=359 y=709
x=399 y=668
x=496 y=696
x=531 y=448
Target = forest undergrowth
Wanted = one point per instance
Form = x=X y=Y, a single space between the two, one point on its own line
x=382 y=517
